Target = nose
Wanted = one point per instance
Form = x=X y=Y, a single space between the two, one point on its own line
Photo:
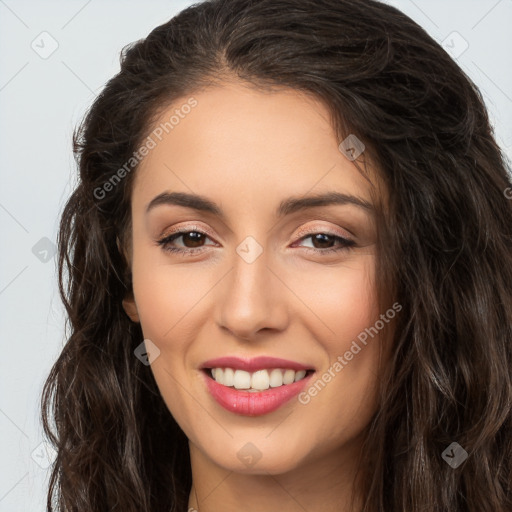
x=252 y=299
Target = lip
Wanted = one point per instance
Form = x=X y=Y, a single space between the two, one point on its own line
x=254 y=364
x=253 y=404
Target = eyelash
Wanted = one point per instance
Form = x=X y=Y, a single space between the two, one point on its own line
x=346 y=244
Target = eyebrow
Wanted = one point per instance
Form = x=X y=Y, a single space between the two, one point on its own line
x=286 y=207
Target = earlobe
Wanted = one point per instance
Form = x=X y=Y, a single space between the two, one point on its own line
x=131 y=308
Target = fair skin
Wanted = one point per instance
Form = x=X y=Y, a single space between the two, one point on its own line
x=247 y=151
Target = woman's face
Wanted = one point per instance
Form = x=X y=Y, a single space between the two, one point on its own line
x=263 y=271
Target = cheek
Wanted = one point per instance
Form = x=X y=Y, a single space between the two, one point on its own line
x=344 y=303
x=170 y=303
x=167 y=295
x=342 y=299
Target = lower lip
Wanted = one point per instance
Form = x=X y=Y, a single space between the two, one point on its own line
x=254 y=404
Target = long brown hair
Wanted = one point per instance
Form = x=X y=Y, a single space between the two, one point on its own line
x=445 y=254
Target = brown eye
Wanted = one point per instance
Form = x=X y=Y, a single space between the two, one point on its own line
x=323 y=241
x=193 y=239
x=190 y=240
x=327 y=242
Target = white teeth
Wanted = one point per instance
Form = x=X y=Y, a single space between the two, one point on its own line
x=241 y=380
x=257 y=381
x=260 y=380
x=229 y=377
x=300 y=375
x=276 y=378
x=288 y=377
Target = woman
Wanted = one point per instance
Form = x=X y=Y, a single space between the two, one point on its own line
x=287 y=267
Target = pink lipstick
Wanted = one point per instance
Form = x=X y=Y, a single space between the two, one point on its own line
x=254 y=403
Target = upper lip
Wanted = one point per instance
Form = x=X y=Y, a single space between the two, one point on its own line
x=253 y=364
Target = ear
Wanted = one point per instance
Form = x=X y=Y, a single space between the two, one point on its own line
x=131 y=308
x=129 y=305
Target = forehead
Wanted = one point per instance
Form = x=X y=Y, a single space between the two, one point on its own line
x=248 y=141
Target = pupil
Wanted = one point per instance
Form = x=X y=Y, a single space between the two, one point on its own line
x=318 y=238
x=194 y=237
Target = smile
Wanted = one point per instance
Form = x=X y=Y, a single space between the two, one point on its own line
x=258 y=381
x=256 y=386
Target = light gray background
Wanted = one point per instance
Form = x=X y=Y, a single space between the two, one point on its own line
x=42 y=99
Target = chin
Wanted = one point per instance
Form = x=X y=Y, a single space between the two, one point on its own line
x=253 y=455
